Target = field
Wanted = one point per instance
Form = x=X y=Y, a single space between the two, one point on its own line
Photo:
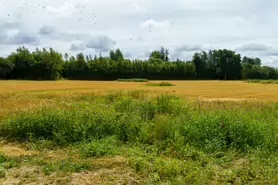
x=175 y=132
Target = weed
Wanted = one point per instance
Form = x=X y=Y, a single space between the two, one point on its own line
x=98 y=148
x=166 y=139
x=133 y=80
x=262 y=81
x=68 y=165
x=161 y=84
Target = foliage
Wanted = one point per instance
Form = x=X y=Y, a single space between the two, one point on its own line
x=133 y=80
x=161 y=84
x=49 y=65
x=165 y=140
x=99 y=148
x=6 y=67
x=263 y=81
x=165 y=118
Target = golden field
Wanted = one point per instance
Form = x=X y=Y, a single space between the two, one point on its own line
x=16 y=95
x=207 y=90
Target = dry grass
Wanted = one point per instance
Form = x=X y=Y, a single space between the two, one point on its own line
x=107 y=170
x=186 y=89
x=27 y=94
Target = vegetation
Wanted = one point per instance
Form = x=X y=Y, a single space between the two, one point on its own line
x=51 y=65
x=161 y=84
x=165 y=140
x=263 y=81
x=133 y=80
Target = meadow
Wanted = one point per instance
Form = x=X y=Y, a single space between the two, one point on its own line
x=151 y=132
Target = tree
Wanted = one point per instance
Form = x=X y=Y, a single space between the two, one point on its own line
x=6 y=68
x=24 y=64
x=80 y=62
x=162 y=55
x=112 y=55
x=66 y=57
x=200 y=64
x=227 y=63
x=50 y=65
x=119 y=55
x=251 y=61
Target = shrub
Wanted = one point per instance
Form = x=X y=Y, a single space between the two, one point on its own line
x=133 y=80
x=99 y=148
x=263 y=81
x=164 y=119
x=161 y=84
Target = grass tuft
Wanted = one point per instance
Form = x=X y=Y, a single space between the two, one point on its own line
x=161 y=84
x=262 y=81
x=133 y=80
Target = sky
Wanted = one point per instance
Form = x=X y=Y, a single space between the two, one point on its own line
x=138 y=27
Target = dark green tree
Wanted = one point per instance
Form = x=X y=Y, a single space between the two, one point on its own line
x=6 y=68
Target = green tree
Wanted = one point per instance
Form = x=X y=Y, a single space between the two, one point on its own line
x=6 y=68
x=112 y=55
x=24 y=64
x=119 y=55
x=251 y=61
x=200 y=64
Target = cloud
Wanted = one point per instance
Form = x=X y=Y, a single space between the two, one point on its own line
x=188 y=48
x=19 y=39
x=233 y=24
x=128 y=55
x=46 y=30
x=253 y=47
x=272 y=53
x=60 y=11
x=78 y=47
x=101 y=44
x=150 y=23
x=139 y=8
x=10 y=25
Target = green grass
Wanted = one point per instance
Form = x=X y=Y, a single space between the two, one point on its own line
x=263 y=81
x=104 y=147
x=166 y=139
x=161 y=84
x=133 y=80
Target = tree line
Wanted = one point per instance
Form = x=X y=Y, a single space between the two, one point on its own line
x=49 y=64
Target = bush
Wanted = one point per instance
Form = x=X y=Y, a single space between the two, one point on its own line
x=133 y=80
x=99 y=148
x=164 y=119
x=263 y=81
x=161 y=84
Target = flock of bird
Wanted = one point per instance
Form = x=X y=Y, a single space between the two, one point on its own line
x=78 y=9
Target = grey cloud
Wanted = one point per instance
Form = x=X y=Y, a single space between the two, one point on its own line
x=128 y=55
x=271 y=52
x=188 y=48
x=253 y=47
x=78 y=47
x=63 y=36
x=46 y=30
x=101 y=44
x=10 y=25
x=221 y=24
x=19 y=39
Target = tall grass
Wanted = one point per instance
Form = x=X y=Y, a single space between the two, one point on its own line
x=161 y=84
x=165 y=119
x=262 y=81
x=166 y=139
x=133 y=80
